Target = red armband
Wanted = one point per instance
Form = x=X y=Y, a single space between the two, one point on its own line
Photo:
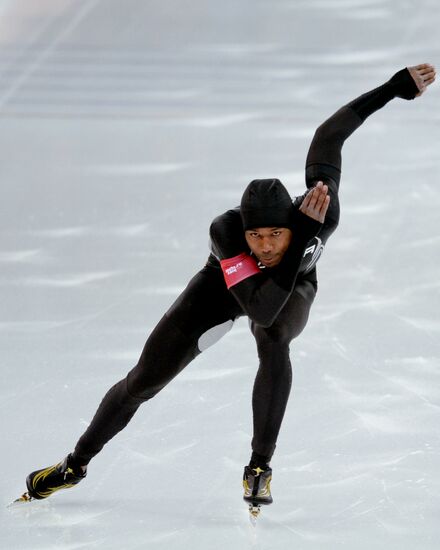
x=238 y=268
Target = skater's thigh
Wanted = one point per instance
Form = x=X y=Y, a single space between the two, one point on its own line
x=205 y=310
x=199 y=317
x=292 y=319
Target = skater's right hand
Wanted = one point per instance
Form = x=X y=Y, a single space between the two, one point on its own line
x=315 y=203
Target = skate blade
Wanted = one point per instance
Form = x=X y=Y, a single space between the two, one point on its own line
x=254 y=512
x=25 y=497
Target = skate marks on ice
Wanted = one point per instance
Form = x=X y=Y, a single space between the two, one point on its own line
x=369 y=445
x=64 y=525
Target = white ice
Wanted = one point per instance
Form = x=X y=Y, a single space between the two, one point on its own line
x=125 y=128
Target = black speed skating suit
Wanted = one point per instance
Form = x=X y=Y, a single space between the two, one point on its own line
x=276 y=300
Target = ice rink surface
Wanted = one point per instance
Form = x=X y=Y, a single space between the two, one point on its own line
x=125 y=128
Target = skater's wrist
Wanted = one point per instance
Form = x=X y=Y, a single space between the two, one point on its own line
x=402 y=85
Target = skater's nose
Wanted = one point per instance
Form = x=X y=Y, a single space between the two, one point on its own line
x=266 y=245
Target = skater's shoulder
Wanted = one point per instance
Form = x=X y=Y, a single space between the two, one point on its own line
x=228 y=223
x=231 y=216
x=227 y=235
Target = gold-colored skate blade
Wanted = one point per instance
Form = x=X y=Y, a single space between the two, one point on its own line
x=25 y=497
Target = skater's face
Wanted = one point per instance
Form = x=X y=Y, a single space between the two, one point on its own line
x=269 y=244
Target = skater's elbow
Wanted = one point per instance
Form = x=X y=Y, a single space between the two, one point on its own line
x=327 y=135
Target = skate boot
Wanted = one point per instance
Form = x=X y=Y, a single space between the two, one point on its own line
x=43 y=483
x=256 y=484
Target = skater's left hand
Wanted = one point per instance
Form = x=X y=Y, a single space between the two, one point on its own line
x=315 y=203
x=423 y=75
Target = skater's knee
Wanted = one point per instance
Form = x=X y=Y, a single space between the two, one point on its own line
x=272 y=340
x=143 y=385
x=122 y=394
x=141 y=388
x=278 y=334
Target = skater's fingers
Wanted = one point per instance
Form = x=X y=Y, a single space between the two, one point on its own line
x=423 y=82
x=421 y=71
x=316 y=203
x=305 y=205
x=314 y=197
x=421 y=66
x=425 y=68
x=428 y=76
x=423 y=76
x=318 y=214
x=305 y=202
x=309 y=197
x=324 y=208
x=321 y=197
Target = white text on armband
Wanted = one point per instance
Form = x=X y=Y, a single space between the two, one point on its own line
x=238 y=268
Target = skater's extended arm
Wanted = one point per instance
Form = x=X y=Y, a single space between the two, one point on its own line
x=324 y=157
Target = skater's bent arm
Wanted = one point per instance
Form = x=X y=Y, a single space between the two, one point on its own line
x=324 y=161
x=261 y=295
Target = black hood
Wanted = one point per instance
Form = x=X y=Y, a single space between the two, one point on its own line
x=266 y=203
